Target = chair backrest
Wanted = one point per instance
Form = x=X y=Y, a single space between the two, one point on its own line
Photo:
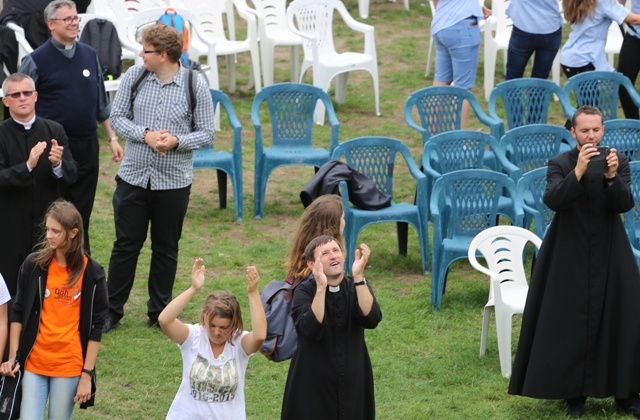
x=314 y=18
x=502 y=248
x=467 y=201
x=532 y=146
x=599 y=89
x=291 y=107
x=454 y=150
x=374 y=157
x=439 y=109
x=526 y=101
x=531 y=187
x=209 y=15
x=632 y=217
x=273 y=14
x=624 y=136
x=124 y=10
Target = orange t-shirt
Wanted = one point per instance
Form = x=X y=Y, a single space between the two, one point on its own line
x=58 y=349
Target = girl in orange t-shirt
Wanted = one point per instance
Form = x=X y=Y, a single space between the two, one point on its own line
x=57 y=319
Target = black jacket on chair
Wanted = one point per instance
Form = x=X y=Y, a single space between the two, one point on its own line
x=363 y=192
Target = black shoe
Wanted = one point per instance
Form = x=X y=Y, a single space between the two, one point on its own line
x=153 y=323
x=630 y=404
x=574 y=407
x=109 y=324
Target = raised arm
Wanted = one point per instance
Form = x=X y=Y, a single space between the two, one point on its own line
x=365 y=298
x=172 y=327
x=252 y=341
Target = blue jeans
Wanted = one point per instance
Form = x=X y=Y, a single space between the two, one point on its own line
x=36 y=389
x=522 y=45
x=457 y=49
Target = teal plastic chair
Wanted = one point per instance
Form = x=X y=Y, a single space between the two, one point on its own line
x=223 y=162
x=601 y=90
x=375 y=157
x=464 y=149
x=532 y=146
x=632 y=217
x=463 y=204
x=531 y=187
x=526 y=101
x=624 y=136
x=439 y=109
x=291 y=107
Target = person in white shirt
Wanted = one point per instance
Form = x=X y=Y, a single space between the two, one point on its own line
x=215 y=353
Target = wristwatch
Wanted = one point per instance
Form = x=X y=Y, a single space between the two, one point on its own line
x=91 y=372
x=360 y=283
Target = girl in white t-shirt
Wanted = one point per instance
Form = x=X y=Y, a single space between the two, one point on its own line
x=215 y=353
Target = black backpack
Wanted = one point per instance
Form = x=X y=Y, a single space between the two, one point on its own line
x=103 y=36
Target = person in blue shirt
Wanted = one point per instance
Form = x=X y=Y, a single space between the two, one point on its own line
x=456 y=35
x=590 y=21
x=542 y=36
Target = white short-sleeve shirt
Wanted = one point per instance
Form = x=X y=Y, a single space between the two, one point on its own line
x=4 y=292
x=211 y=388
x=587 y=39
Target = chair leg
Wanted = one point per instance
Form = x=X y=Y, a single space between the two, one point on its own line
x=341 y=87
x=503 y=327
x=403 y=233
x=486 y=317
x=222 y=188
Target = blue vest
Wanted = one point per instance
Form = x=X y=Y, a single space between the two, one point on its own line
x=68 y=89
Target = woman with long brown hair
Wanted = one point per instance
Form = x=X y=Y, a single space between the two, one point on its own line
x=590 y=21
x=325 y=216
x=57 y=319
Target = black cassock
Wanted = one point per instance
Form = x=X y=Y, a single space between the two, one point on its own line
x=580 y=331
x=330 y=375
x=25 y=196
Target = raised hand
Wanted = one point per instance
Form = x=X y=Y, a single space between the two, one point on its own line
x=35 y=153
x=318 y=274
x=55 y=155
x=197 y=274
x=253 y=277
x=360 y=262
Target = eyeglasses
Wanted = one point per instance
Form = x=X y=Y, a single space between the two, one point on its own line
x=151 y=51
x=69 y=19
x=16 y=95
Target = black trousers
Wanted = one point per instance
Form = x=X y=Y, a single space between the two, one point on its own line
x=82 y=193
x=134 y=208
x=629 y=65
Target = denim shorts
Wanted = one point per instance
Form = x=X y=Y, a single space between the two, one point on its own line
x=457 y=50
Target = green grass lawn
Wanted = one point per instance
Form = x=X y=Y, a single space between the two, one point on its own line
x=426 y=363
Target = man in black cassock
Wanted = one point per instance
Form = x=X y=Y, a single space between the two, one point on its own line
x=580 y=333
x=35 y=168
x=330 y=375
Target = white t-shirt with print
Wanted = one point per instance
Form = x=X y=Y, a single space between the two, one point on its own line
x=210 y=388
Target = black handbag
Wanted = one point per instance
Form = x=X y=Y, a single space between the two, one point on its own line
x=10 y=396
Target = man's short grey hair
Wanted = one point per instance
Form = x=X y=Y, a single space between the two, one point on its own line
x=51 y=10
x=16 y=78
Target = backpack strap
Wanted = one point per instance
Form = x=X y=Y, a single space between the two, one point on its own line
x=190 y=85
x=135 y=88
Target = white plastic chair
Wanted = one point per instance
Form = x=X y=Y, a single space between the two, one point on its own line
x=502 y=247
x=273 y=31
x=144 y=18
x=312 y=20
x=121 y=11
x=363 y=7
x=614 y=42
x=209 y=17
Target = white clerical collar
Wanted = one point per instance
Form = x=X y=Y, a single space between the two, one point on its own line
x=28 y=124
x=334 y=289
